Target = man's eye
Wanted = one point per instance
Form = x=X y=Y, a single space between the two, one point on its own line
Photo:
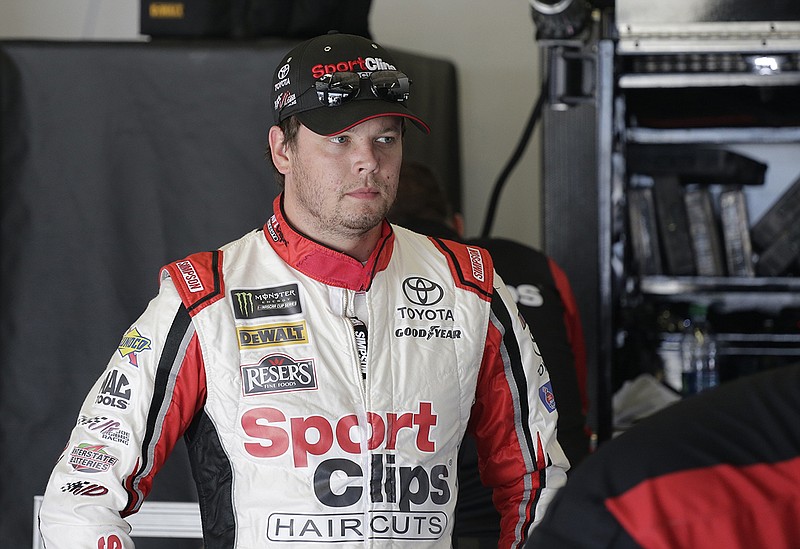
x=338 y=139
x=386 y=140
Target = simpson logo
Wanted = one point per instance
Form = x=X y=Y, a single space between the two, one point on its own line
x=132 y=343
x=278 y=373
x=91 y=458
x=271 y=335
x=190 y=276
x=476 y=260
x=275 y=301
x=547 y=397
x=361 y=64
x=421 y=291
x=274 y=229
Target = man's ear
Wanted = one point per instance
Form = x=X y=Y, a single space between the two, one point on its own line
x=278 y=149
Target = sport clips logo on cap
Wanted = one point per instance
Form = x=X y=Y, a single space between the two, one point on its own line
x=336 y=81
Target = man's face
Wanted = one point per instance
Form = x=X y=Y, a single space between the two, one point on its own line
x=340 y=187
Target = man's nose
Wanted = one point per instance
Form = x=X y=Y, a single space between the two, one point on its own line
x=366 y=159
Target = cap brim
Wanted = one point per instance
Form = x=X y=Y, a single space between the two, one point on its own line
x=333 y=120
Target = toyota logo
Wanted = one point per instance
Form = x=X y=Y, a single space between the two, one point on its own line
x=422 y=291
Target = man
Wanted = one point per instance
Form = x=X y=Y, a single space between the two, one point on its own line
x=323 y=369
x=545 y=300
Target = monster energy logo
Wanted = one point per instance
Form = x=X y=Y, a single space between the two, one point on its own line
x=245 y=302
x=274 y=301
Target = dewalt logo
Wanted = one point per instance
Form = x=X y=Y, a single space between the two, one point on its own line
x=166 y=10
x=272 y=335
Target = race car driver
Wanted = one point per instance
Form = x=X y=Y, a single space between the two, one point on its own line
x=323 y=369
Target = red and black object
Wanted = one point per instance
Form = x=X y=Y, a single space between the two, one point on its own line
x=718 y=469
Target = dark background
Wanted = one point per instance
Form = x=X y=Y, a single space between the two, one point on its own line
x=115 y=159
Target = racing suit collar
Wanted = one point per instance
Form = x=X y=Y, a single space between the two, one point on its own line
x=325 y=264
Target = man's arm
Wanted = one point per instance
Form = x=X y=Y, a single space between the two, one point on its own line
x=514 y=423
x=128 y=425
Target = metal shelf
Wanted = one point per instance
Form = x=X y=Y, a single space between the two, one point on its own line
x=705 y=80
x=670 y=285
x=729 y=293
x=713 y=135
x=736 y=344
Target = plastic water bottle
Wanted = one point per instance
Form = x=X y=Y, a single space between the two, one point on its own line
x=698 y=352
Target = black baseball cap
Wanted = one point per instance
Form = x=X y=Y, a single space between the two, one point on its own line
x=300 y=85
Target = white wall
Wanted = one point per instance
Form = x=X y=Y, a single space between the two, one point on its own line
x=491 y=42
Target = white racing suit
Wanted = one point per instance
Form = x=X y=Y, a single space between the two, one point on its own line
x=323 y=401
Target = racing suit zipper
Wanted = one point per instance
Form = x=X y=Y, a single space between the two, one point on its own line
x=360 y=335
x=360 y=346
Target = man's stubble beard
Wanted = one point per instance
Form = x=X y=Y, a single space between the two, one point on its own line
x=338 y=221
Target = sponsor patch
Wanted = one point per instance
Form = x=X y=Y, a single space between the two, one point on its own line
x=547 y=397
x=431 y=332
x=421 y=291
x=360 y=64
x=278 y=373
x=108 y=428
x=91 y=458
x=111 y=541
x=476 y=260
x=274 y=229
x=275 y=301
x=410 y=486
x=84 y=488
x=414 y=313
x=272 y=335
x=132 y=343
x=284 y=100
x=115 y=392
x=353 y=527
x=190 y=276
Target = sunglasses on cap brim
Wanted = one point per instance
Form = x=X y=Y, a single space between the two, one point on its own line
x=334 y=89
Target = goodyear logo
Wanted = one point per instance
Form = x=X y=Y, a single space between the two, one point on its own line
x=271 y=335
x=165 y=10
x=132 y=343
